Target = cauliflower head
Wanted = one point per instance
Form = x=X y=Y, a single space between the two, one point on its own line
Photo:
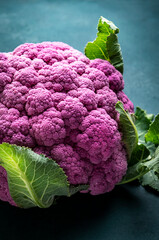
x=56 y=101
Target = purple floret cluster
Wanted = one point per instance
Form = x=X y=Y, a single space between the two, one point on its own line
x=56 y=101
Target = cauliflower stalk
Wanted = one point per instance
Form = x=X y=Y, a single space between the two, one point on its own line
x=61 y=104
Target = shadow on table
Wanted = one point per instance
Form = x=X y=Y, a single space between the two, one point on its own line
x=69 y=217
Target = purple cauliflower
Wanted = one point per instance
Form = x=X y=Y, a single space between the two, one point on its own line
x=56 y=101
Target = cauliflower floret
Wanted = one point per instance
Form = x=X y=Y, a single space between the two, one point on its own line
x=115 y=79
x=18 y=63
x=107 y=100
x=86 y=96
x=4 y=189
x=97 y=77
x=58 y=97
x=7 y=116
x=77 y=170
x=78 y=66
x=6 y=71
x=26 y=76
x=56 y=101
x=62 y=77
x=85 y=82
x=48 y=128
x=106 y=174
x=14 y=96
x=38 y=100
x=4 y=80
x=15 y=129
x=99 y=136
x=72 y=111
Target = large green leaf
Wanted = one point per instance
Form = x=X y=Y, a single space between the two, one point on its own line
x=33 y=179
x=143 y=161
x=153 y=133
x=139 y=153
x=106 y=45
x=128 y=129
x=142 y=123
x=152 y=177
x=114 y=52
x=141 y=168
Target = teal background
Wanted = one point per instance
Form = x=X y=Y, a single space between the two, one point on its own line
x=130 y=211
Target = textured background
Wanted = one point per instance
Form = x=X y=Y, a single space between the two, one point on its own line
x=129 y=212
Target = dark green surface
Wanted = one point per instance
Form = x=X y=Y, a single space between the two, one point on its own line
x=128 y=212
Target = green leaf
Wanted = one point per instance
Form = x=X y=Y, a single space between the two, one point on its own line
x=142 y=123
x=143 y=162
x=114 y=52
x=153 y=132
x=106 y=26
x=96 y=50
x=106 y=45
x=33 y=179
x=128 y=129
x=139 y=153
x=77 y=188
x=152 y=177
x=141 y=168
